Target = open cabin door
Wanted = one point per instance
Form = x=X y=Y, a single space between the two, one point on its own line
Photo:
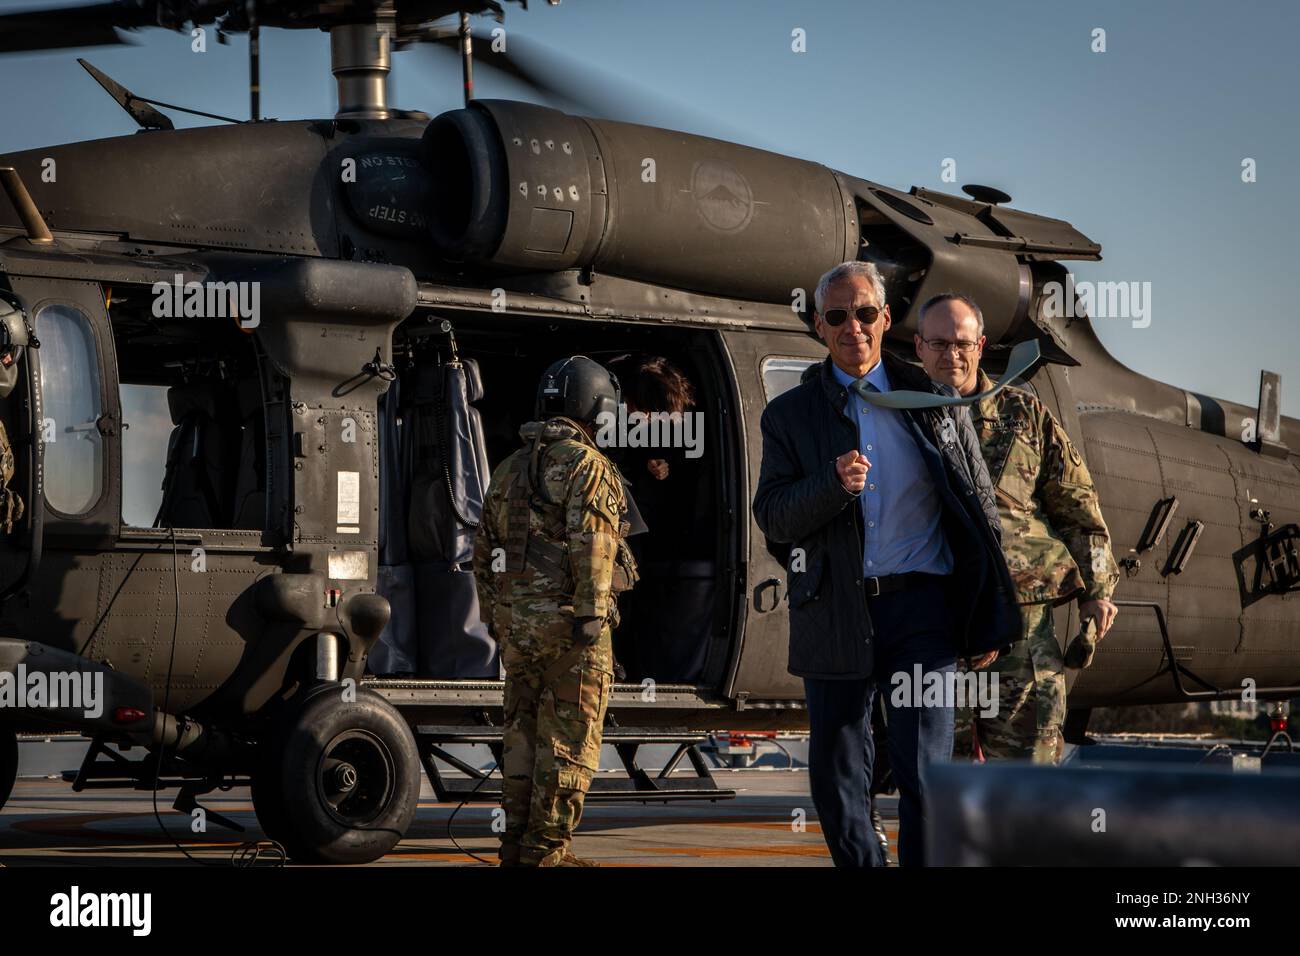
x=765 y=364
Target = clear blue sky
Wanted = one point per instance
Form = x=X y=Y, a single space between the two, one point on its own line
x=1139 y=147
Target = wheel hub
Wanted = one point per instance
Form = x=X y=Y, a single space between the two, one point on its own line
x=356 y=777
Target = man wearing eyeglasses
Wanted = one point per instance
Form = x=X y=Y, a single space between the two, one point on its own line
x=880 y=507
x=1055 y=539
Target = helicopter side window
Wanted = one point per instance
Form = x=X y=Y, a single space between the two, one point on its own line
x=144 y=451
x=780 y=374
x=70 y=389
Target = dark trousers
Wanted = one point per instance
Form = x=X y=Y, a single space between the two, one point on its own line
x=911 y=627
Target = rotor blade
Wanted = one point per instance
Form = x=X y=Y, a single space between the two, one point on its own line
x=95 y=24
x=484 y=54
x=586 y=89
x=418 y=17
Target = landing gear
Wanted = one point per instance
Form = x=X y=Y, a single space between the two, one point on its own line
x=340 y=780
x=8 y=763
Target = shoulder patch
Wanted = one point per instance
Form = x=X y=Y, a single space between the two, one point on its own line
x=608 y=501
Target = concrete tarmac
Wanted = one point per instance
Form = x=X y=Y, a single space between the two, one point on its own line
x=770 y=822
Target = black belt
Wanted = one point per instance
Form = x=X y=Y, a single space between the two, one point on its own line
x=890 y=583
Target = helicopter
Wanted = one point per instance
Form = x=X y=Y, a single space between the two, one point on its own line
x=313 y=339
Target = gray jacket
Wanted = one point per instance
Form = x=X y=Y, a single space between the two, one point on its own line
x=801 y=503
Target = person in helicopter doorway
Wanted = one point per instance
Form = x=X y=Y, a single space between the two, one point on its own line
x=665 y=633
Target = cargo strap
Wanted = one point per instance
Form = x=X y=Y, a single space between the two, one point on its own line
x=536 y=483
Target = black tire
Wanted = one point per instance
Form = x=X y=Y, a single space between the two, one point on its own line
x=8 y=763
x=347 y=779
x=268 y=795
x=267 y=788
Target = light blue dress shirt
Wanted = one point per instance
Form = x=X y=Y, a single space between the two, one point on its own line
x=900 y=506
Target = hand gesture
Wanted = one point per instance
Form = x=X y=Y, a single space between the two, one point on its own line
x=852 y=467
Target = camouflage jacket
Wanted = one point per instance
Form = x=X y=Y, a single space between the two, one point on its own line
x=1053 y=534
x=567 y=544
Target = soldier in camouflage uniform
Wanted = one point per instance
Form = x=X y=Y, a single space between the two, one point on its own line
x=549 y=561
x=1055 y=540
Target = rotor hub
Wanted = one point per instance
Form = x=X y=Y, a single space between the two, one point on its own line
x=361 y=59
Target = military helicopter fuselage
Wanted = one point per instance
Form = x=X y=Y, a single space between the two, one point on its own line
x=499 y=237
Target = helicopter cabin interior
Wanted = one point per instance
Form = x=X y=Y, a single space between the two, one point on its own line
x=465 y=383
x=194 y=456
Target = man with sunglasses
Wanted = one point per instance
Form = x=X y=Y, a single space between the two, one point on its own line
x=896 y=565
x=1056 y=542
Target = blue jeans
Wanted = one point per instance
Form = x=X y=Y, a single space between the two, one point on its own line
x=910 y=627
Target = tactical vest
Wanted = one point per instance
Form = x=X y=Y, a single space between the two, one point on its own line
x=547 y=551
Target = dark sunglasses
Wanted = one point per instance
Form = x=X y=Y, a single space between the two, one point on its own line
x=867 y=314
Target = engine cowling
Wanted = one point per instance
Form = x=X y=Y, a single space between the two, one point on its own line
x=529 y=188
x=519 y=187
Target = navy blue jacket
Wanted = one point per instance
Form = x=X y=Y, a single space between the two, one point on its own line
x=801 y=503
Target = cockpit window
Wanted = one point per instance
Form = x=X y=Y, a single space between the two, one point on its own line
x=72 y=405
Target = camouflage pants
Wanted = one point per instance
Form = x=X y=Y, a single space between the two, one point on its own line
x=551 y=740
x=1031 y=698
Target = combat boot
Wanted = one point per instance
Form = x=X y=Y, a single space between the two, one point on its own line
x=509 y=854
x=558 y=858
x=570 y=860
